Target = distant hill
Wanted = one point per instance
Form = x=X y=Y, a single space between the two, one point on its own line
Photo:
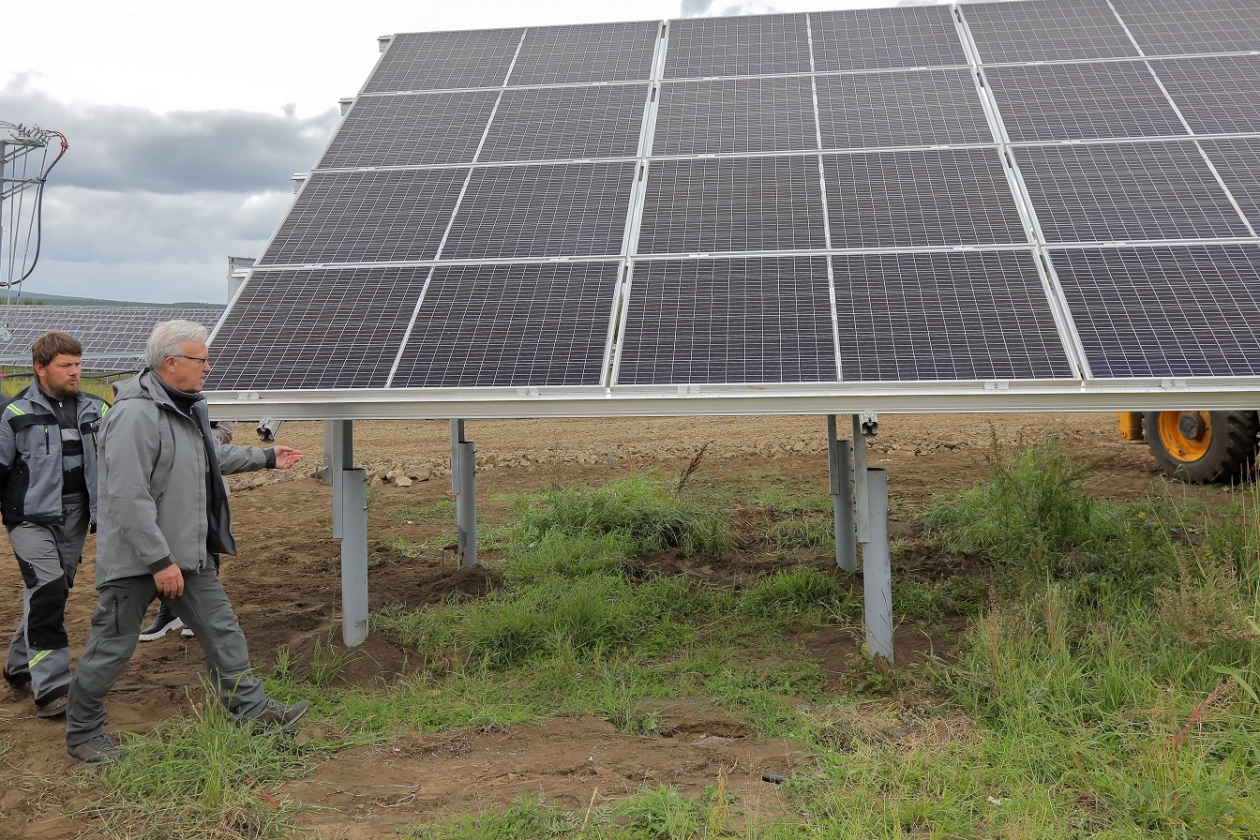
x=66 y=300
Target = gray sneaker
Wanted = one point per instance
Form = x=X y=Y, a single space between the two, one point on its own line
x=277 y=715
x=99 y=750
x=55 y=707
x=165 y=622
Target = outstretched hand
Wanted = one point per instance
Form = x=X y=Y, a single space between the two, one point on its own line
x=287 y=456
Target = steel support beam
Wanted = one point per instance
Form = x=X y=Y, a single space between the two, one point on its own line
x=877 y=571
x=464 y=483
x=350 y=526
x=840 y=468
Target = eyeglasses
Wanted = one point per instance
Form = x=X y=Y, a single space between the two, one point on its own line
x=201 y=360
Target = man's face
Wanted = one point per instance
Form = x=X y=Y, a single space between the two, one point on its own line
x=187 y=371
x=60 y=377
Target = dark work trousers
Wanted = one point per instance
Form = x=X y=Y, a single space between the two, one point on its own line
x=48 y=557
x=204 y=607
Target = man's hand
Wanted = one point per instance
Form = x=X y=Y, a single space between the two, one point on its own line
x=170 y=581
x=287 y=456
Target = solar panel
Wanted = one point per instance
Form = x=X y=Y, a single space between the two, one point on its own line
x=542 y=210
x=736 y=115
x=920 y=198
x=1217 y=95
x=341 y=328
x=732 y=205
x=1238 y=164
x=1165 y=311
x=504 y=325
x=379 y=216
x=1177 y=27
x=1082 y=101
x=593 y=53
x=687 y=202
x=1112 y=193
x=445 y=60
x=871 y=110
x=1046 y=30
x=727 y=321
x=567 y=123
x=737 y=46
x=113 y=337
x=945 y=316
x=860 y=39
x=411 y=130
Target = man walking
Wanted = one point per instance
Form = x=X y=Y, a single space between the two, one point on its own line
x=163 y=516
x=48 y=497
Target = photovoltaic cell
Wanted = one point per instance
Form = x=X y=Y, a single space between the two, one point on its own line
x=1113 y=193
x=1177 y=27
x=511 y=325
x=411 y=130
x=113 y=337
x=1082 y=101
x=542 y=210
x=728 y=321
x=920 y=198
x=1046 y=30
x=1165 y=311
x=341 y=329
x=906 y=108
x=732 y=205
x=945 y=316
x=737 y=46
x=567 y=123
x=385 y=216
x=872 y=39
x=735 y=115
x=605 y=52
x=445 y=60
x=1217 y=95
x=1238 y=163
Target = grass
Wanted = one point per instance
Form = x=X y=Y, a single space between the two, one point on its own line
x=1104 y=683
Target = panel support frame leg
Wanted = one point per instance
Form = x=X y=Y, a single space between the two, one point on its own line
x=840 y=469
x=350 y=526
x=861 y=492
x=877 y=571
x=464 y=483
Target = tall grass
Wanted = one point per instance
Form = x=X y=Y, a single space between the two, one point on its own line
x=206 y=777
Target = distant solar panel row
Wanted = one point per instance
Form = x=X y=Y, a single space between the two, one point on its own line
x=987 y=191
x=113 y=337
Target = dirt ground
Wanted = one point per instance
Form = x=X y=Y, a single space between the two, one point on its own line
x=285 y=586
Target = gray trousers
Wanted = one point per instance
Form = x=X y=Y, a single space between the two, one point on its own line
x=204 y=607
x=48 y=557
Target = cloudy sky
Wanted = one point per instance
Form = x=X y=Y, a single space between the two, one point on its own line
x=186 y=120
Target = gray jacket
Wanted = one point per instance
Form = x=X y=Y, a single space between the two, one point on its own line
x=30 y=456
x=153 y=495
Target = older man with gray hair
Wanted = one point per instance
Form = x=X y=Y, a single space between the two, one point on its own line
x=163 y=515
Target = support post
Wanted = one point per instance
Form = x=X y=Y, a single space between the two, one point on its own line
x=860 y=491
x=330 y=446
x=877 y=571
x=350 y=526
x=841 y=471
x=338 y=438
x=464 y=482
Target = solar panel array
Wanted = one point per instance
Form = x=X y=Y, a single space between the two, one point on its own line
x=1048 y=190
x=113 y=337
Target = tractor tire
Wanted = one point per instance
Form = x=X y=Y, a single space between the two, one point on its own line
x=1203 y=447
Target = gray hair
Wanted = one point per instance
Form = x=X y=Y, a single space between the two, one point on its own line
x=168 y=340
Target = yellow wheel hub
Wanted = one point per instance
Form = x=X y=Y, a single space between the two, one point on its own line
x=1185 y=434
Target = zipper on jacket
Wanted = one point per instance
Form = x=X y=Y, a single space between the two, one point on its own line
x=47 y=445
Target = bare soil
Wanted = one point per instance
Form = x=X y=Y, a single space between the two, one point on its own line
x=285 y=586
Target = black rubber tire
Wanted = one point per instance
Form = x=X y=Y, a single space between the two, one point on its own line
x=1230 y=456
